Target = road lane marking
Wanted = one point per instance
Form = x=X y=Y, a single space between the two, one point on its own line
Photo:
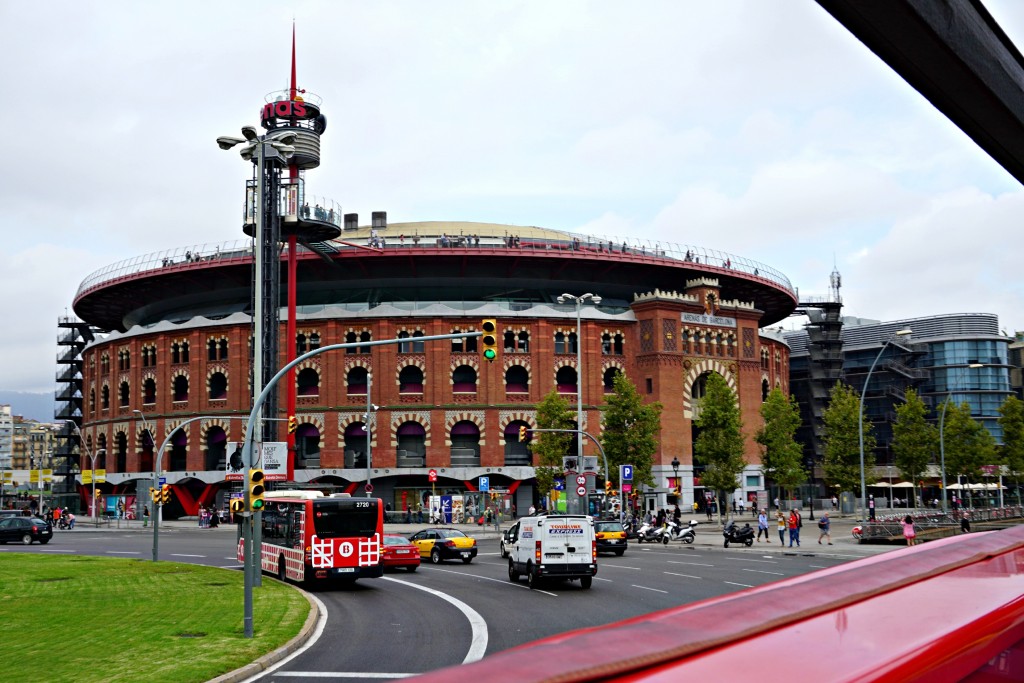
x=597 y=578
x=318 y=630
x=184 y=555
x=478 y=644
x=619 y=566
x=123 y=552
x=488 y=578
x=733 y=583
x=695 y=564
x=57 y=550
x=650 y=589
x=688 y=576
x=817 y=566
x=747 y=559
x=338 y=674
x=761 y=571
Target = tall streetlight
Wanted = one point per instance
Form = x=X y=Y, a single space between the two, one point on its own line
x=860 y=419
x=578 y=301
x=942 y=441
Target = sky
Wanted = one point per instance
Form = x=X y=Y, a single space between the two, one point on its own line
x=759 y=128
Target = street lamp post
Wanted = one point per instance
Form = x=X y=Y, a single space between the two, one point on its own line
x=675 y=478
x=860 y=420
x=942 y=440
x=578 y=301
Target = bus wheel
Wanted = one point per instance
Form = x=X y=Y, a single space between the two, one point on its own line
x=281 y=576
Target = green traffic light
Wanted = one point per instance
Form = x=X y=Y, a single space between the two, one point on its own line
x=257 y=504
x=489 y=354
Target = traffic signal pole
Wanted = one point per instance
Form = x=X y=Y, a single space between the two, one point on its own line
x=607 y=472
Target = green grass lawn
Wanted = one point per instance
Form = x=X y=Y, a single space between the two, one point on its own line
x=100 y=619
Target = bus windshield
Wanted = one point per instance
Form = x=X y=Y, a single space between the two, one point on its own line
x=354 y=518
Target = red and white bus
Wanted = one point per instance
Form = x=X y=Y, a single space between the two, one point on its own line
x=309 y=537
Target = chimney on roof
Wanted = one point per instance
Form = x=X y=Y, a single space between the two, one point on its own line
x=351 y=221
x=379 y=220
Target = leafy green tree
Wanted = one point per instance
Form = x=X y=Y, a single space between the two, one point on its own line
x=842 y=441
x=781 y=454
x=968 y=444
x=914 y=439
x=630 y=433
x=719 y=445
x=553 y=412
x=1011 y=419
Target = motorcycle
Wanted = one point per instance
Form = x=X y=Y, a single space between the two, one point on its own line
x=652 y=534
x=686 y=534
x=735 y=534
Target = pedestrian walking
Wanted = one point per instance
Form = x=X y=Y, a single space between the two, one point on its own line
x=497 y=520
x=762 y=526
x=825 y=527
x=145 y=515
x=780 y=521
x=908 y=530
x=835 y=503
x=794 y=528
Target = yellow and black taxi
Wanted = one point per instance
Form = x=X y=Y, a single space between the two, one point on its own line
x=444 y=544
x=611 y=536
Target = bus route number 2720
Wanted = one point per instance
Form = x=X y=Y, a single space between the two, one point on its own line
x=362 y=503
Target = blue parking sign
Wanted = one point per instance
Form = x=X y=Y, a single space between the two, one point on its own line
x=627 y=473
x=485 y=484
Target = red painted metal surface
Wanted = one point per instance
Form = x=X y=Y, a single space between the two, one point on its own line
x=935 y=612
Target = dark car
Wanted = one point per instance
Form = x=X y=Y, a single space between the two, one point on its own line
x=444 y=544
x=25 y=530
x=12 y=513
x=611 y=537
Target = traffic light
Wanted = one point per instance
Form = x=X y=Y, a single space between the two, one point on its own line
x=607 y=488
x=154 y=494
x=165 y=494
x=489 y=340
x=237 y=505
x=522 y=433
x=293 y=424
x=257 y=487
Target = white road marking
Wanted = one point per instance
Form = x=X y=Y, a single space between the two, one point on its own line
x=733 y=583
x=619 y=566
x=747 y=559
x=478 y=644
x=184 y=555
x=761 y=571
x=817 y=566
x=57 y=550
x=597 y=578
x=338 y=674
x=686 y=576
x=123 y=552
x=317 y=632
x=695 y=564
x=650 y=589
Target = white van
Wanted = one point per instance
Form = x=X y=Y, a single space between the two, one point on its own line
x=552 y=546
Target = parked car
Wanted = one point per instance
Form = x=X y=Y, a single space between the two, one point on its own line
x=12 y=513
x=25 y=529
x=444 y=544
x=399 y=552
x=611 y=537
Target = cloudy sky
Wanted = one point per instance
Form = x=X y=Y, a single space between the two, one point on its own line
x=761 y=128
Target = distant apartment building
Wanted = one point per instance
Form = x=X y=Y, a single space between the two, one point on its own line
x=6 y=437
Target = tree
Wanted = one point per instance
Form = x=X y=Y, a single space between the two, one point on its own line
x=968 y=444
x=719 y=444
x=553 y=412
x=781 y=454
x=1011 y=419
x=842 y=442
x=913 y=439
x=631 y=428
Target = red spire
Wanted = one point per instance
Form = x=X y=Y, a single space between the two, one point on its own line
x=294 y=88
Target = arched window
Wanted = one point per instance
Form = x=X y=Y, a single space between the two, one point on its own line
x=463 y=344
x=617 y=345
x=517 y=380
x=404 y=346
x=105 y=397
x=146 y=451
x=355 y=382
x=218 y=386
x=606 y=344
x=124 y=395
x=523 y=342
x=355 y=445
x=465 y=438
x=517 y=453
x=180 y=388
x=351 y=338
x=314 y=341
x=609 y=379
x=307 y=446
x=211 y=349
x=560 y=343
x=697 y=393
x=510 y=341
x=178 y=461
x=149 y=391
x=216 y=449
x=765 y=391
x=300 y=344
x=308 y=382
x=365 y=337
x=417 y=346
x=92 y=400
x=464 y=380
x=567 y=380
x=410 y=380
x=121 y=452
x=412 y=449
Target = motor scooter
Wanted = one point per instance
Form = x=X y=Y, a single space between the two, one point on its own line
x=686 y=534
x=735 y=534
x=652 y=534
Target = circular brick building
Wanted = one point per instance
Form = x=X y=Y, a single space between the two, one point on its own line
x=179 y=347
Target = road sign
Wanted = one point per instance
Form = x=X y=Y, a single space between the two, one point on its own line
x=368 y=487
x=626 y=488
x=559 y=484
x=581 y=480
x=485 y=484
x=163 y=480
x=581 y=490
x=626 y=472
x=431 y=475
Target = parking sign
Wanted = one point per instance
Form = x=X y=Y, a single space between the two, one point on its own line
x=626 y=472
x=485 y=484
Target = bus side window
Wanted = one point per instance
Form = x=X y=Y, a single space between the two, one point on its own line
x=295 y=540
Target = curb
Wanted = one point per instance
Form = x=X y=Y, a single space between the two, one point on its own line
x=264 y=662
